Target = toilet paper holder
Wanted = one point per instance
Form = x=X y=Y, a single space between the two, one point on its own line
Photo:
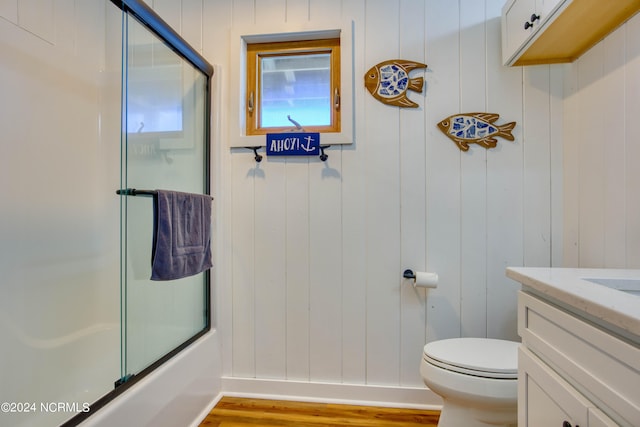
x=421 y=279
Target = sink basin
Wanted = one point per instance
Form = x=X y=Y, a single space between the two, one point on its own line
x=628 y=285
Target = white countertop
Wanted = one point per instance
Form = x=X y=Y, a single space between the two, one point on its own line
x=567 y=285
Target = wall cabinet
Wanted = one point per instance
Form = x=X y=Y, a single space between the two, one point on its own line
x=521 y=19
x=555 y=31
x=572 y=373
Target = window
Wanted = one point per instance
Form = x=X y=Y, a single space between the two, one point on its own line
x=299 y=80
x=244 y=128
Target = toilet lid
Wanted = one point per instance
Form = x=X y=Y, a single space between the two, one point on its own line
x=483 y=357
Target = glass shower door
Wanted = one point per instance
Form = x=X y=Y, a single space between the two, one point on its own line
x=164 y=146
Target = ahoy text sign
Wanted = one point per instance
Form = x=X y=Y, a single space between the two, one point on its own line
x=293 y=144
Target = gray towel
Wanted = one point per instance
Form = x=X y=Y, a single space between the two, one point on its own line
x=182 y=235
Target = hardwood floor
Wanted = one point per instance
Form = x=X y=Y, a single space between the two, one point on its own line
x=240 y=412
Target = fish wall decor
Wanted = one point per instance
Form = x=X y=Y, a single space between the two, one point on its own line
x=389 y=82
x=475 y=128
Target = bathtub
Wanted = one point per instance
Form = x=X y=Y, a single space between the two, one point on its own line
x=56 y=378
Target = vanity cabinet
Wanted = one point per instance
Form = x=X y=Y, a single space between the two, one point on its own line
x=572 y=372
x=554 y=31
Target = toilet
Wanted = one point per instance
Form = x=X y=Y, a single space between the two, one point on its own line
x=477 y=379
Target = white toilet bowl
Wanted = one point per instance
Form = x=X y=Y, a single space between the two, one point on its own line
x=477 y=379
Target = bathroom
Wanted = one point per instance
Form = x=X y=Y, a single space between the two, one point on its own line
x=308 y=297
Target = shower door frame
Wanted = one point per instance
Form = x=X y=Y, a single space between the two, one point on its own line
x=154 y=23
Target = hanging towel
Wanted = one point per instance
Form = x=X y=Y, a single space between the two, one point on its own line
x=181 y=235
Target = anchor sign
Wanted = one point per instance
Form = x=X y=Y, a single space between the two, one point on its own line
x=293 y=144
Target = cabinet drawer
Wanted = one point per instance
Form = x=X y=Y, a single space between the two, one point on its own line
x=547 y=400
x=597 y=418
x=544 y=398
x=602 y=367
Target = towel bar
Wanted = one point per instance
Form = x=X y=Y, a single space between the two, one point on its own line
x=134 y=192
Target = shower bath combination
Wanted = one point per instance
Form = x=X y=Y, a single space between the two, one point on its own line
x=165 y=87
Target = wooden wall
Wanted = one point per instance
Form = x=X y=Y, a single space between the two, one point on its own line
x=311 y=254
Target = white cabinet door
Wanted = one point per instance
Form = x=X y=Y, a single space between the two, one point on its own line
x=545 y=399
x=521 y=19
x=545 y=7
x=514 y=34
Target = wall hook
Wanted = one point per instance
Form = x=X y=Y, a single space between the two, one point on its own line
x=323 y=156
x=258 y=157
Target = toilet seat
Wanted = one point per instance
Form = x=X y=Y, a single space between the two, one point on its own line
x=480 y=357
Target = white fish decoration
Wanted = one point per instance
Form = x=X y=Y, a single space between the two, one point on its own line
x=475 y=128
x=389 y=82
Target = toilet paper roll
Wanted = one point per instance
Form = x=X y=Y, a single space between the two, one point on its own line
x=425 y=280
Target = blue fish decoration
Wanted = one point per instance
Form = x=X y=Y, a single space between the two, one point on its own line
x=475 y=128
x=389 y=82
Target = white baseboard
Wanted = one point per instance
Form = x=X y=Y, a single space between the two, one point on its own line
x=352 y=394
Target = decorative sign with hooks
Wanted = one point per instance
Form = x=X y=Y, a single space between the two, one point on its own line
x=296 y=142
x=293 y=144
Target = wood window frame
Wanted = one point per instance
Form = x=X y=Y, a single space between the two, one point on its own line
x=255 y=51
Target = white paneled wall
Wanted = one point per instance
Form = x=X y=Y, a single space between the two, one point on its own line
x=602 y=149
x=313 y=252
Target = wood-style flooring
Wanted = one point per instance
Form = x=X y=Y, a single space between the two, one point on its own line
x=241 y=412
